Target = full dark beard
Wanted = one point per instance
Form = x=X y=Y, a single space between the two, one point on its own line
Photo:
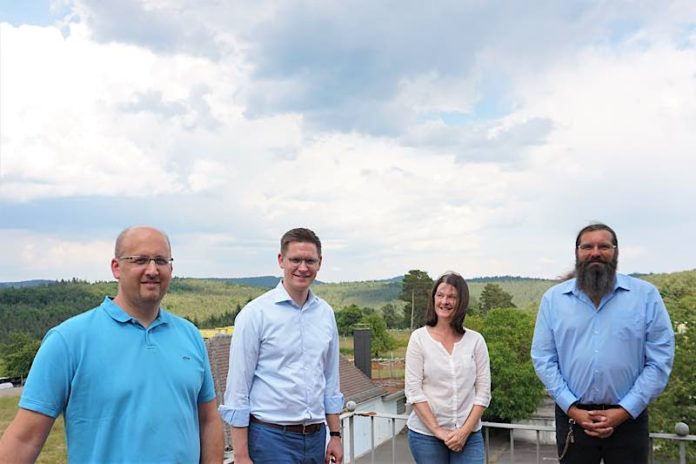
x=596 y=278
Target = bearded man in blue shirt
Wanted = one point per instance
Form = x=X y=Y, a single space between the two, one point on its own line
x=283 y=383
x=603 y=347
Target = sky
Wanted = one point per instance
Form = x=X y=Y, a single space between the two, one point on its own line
x=467 y=135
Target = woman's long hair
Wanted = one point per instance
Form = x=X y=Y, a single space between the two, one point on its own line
x=458 y=282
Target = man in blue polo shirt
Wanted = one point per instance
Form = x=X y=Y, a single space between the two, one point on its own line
x=603 y=346
x=132 y=380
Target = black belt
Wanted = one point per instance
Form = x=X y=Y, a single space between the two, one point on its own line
x=596 y=407
x=304 y=429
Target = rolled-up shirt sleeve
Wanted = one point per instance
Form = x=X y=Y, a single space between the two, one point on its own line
x=482 y=386
x=333 y=398
x=244 y=351
x=413 y=384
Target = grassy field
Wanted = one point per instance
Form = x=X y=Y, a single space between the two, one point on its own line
x=54 y=452
x=365 y=294
x=401 y=336
x=526 y=294
x=201 y=298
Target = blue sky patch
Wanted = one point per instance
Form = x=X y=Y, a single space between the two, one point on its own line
x=34 y=12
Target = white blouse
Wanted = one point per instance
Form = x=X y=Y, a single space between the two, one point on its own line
x=451 y=384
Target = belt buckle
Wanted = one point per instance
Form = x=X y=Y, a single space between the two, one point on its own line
x=306 y=429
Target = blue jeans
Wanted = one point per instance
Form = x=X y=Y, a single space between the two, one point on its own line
x=276 y=446
x=427 y=449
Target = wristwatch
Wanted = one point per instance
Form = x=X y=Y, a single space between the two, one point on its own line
x=335 y=434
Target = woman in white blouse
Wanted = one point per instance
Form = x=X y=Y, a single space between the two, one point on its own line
x=448 y=380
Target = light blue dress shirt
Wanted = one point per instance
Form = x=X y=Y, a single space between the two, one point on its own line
x=619 y=353
x=283 y=362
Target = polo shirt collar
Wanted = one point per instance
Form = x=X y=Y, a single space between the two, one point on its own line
x=119 y=315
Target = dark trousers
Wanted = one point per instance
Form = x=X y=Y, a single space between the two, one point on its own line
x=629 y=444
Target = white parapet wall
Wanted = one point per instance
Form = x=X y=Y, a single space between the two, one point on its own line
x=363 y=422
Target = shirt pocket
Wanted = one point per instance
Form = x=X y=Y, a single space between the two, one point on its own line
x=630 y=328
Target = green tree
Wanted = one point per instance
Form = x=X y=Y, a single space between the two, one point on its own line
x=415 y=291
x=34 y=310
x=493 y=296
x=515 y=389
x=473 y=304
x=391 y=317
x=18 y=354
x=676 y=403
x=347 y=318
x=381 y=340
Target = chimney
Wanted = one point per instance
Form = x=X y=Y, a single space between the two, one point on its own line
x=362 y=350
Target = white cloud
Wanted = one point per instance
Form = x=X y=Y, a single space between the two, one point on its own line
x=112 y=114
x=623 y=125
x=406 y=141
x=207 y=175
x=29 y=255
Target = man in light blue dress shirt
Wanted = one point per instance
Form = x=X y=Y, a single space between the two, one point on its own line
x=603 y=347
x=283 y=381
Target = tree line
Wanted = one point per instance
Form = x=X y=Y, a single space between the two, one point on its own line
x=34 y=310
x=27 y=313
x=225 y=319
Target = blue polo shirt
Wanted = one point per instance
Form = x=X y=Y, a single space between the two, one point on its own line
x=128 y=394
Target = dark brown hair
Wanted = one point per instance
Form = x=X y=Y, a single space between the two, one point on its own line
x=299 y=234
x=592 y=228
x=458 y=282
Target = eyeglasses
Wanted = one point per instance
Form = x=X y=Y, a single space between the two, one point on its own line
x=160 y=261
x=309 y=262
x=604 y=247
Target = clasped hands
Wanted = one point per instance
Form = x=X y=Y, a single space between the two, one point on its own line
x=453 y=439
x=599 y=423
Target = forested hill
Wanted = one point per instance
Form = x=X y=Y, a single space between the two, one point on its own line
x=34 y=309
x=212 y=302
x=25 y=283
